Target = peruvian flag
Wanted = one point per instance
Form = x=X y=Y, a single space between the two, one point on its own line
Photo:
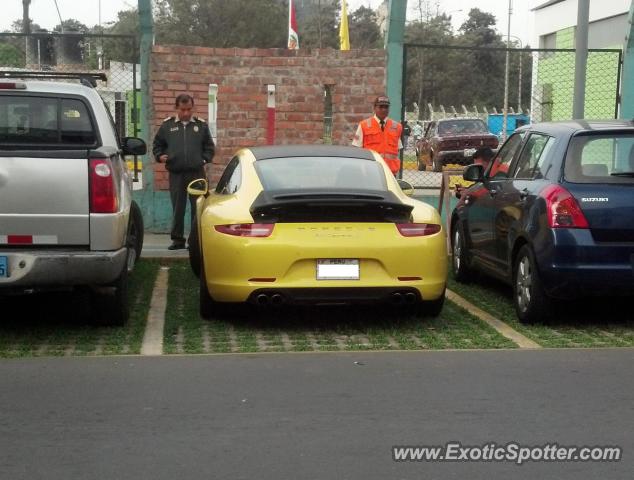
x=293 y=37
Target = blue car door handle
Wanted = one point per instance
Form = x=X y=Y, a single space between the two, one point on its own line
x=493 y=192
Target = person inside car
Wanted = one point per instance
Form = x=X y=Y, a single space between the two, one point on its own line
x=482 y=156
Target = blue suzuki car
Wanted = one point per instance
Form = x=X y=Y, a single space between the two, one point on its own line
x=552 y=215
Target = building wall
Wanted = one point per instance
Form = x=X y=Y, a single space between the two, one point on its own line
x=242 y=75
x=563 y=14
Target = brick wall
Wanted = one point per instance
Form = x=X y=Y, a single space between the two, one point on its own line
x=242 y=75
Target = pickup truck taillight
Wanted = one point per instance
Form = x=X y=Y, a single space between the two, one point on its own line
x=562 y=209
x=103 y=193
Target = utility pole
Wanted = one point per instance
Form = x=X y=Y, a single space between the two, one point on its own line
x=26 y=22
x=581 y=58
x=506 y=75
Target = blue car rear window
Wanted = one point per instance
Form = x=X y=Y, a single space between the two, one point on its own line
x=321 y=172
x=600 y=159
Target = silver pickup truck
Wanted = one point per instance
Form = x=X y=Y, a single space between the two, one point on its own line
x=67 y=218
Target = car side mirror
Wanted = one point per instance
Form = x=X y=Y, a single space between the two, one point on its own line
x=473 y=173
x=198 y=187
x=406 y=187
x=133 y=146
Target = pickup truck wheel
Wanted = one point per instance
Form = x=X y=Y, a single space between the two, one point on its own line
x=111 y=308
x=134 y=239
x=194 y=249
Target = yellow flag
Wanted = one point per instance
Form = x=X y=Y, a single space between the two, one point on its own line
x=344 y=37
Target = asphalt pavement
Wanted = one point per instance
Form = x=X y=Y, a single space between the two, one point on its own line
x=311 y=416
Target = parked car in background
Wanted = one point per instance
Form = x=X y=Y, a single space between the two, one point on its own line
x=67 y=218
x=553 y=215
x=452 y=141
x=315 y=224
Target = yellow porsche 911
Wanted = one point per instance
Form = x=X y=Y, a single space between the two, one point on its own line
x=315 y=224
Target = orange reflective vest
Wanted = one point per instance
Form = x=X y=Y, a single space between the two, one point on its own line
x=383 y=142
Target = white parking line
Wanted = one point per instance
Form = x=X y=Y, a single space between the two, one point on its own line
x=153 y=337
x=501 y=327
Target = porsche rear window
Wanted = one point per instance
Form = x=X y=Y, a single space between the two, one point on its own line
x=28 y=120
x=600 y=159
x=321 y=172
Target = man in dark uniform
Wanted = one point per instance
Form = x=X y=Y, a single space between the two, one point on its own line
x=185 y=145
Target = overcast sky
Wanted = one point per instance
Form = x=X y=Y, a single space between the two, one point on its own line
x=44 y=13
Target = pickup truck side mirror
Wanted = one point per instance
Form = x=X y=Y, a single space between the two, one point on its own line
x=133 y=146
x=473 y=173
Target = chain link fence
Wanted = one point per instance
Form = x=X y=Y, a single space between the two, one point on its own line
x=64 y=56
x=442 y=82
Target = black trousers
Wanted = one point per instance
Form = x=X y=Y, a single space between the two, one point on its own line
x=178 y=194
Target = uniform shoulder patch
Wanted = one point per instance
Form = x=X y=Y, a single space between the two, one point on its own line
x=199 y=119
x=168 y=118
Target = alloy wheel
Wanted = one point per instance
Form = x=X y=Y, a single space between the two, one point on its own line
x=523 y=284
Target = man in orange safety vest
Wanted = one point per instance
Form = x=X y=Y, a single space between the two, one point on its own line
x=381 y=134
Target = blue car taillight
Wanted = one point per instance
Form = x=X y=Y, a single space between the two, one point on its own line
x=562 y=208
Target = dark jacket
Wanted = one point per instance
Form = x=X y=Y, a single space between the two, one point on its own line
x=188 y=147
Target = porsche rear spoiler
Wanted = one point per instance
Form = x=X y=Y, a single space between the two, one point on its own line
x=294 y=206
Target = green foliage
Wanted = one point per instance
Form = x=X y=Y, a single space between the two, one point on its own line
x=218 y=23
x=10 y=56
x=320 y=28
x=453 y=77
x=364 y=29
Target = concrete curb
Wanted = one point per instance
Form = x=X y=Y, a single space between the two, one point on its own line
x=501 y=327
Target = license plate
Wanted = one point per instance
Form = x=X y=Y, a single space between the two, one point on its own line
x=4 y=267
x=338 y=269
x=468 y=152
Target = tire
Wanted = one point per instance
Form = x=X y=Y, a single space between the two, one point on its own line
x=194 y=249
x=420 y=164
x=134 y=237
x=111 y=308
x=459 y=258
x=431 y=308
x=206 y=304
x=532 y=304
x=436 y=165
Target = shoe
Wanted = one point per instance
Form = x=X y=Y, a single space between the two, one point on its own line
x=177 y=246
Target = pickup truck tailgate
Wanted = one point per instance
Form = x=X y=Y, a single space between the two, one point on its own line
x=44 y=200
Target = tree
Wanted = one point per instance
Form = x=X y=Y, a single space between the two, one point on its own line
x=71 y=25
x=320 y=29
x=119 y=49
x=364 y=29
x=218 y=23
x=485 y=83
x=10 y=56
x=426 y=77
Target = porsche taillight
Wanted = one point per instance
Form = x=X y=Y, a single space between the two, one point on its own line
x=417 y=229
x=562 y=209
x=103 y=191
x=246 y=229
